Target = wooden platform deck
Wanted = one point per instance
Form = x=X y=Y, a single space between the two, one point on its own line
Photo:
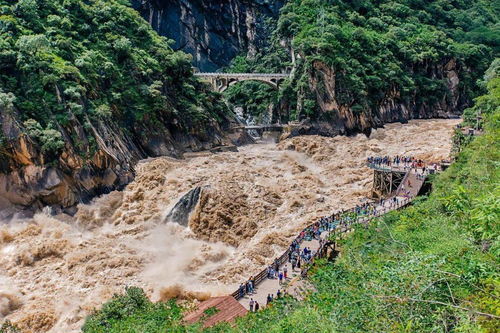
x=226 y=309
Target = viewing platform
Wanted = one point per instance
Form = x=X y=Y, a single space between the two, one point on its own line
x=320 y=237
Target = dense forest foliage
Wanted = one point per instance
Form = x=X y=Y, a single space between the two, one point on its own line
x=432 y=267
x=67 y=61
x=374 y=48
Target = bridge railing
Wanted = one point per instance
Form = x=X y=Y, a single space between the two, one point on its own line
x=270 y=75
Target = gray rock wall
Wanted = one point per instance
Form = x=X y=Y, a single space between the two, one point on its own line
x=213 y=31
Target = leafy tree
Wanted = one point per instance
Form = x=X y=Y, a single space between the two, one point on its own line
x=377 y=47
x=70 y=62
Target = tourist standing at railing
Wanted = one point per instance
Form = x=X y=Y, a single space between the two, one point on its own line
x=242 y=290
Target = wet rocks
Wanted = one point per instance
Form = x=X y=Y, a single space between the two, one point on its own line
x=183 y=208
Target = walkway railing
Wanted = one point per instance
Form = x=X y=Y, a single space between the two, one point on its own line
x=350 y=226
x=342 y=220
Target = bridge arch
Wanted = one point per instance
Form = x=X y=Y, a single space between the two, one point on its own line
x=221 y=81
x=232 y=82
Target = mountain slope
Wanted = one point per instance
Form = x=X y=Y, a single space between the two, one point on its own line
x=359 y=64
x=87 y=89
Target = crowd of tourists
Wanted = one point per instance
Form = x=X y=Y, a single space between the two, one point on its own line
x=298 y=257
x=405 y=162
x=247 y=288
x=408 y=161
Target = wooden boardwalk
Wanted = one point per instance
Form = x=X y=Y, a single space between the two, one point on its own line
x=316 y=238
x=409 y=188
x=226 y=308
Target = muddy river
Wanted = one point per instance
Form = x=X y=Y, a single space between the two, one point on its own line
x=55 y=269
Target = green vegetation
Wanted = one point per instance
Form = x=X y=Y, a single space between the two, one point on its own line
x=8 y=327
x=433 y=267
x=486 y=104
x=375 y=48
x=134 y=312
x=67 y=63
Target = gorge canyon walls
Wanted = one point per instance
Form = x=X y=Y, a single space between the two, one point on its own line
x=214 y=32
x=335 y=118
x=30 y=180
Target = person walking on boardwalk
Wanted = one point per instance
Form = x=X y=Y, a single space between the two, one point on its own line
x=252 y=302
x=280 y=276
x=250 y=286
x=242 y=290
x=285 y=271
x=278 y=294
x=294 y=264
x=269 y=299
x=257 y=306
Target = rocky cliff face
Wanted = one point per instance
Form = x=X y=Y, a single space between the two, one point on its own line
x=28 y=182
x=214 y=32
x=335 y=118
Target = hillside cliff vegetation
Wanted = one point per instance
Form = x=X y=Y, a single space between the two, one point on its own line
x=87 y=88
x=359 y=64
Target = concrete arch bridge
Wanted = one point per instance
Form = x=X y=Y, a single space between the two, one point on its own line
x=221 y=81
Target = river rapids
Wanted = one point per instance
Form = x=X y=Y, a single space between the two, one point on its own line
x=54 y=270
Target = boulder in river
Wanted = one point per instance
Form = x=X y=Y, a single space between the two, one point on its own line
x=183 y=208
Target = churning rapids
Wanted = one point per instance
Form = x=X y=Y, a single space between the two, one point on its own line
x=56 y=269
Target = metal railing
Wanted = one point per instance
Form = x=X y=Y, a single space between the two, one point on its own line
x=343 y=228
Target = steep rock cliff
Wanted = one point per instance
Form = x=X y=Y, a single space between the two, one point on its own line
x=214 y=32
x=31 y=179
x=359 y=64
x=86 y=90
x=334 y=118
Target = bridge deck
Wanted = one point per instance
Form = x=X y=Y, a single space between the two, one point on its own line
x=243 y=75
